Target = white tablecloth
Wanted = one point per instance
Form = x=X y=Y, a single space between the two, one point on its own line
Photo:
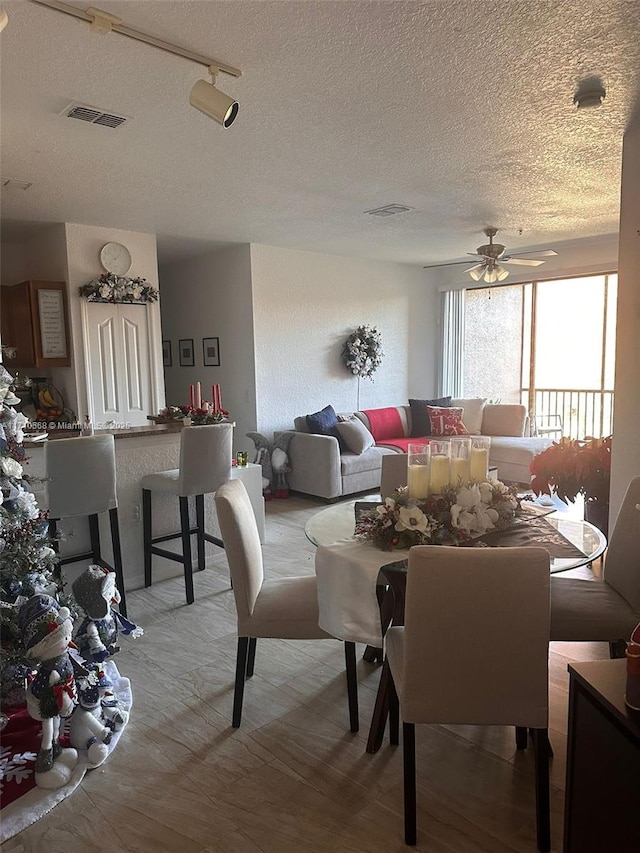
x=346 y=573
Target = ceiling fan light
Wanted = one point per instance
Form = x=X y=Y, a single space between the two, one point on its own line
x=490 y=275
x=501 y=273
x=476 y=273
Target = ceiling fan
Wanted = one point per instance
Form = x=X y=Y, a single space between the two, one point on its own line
x=493 y=256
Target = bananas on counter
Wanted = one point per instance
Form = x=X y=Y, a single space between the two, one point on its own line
x=48 y=408
x=46 y=400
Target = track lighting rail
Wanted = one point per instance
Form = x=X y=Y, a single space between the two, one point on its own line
x=105 y=22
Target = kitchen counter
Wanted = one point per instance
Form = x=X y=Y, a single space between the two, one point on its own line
x=125 y=432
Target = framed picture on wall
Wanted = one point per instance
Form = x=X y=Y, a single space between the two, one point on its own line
x=211 y=352
x=166 y=354
x=185 y=348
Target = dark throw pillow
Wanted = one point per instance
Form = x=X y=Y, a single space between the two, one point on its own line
x=323 y=422
x=420 y=424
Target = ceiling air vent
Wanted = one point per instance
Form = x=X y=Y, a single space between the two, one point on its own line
x=94 y=115
x=388 y=210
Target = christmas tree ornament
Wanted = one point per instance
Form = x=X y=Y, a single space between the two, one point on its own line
x=28 y=564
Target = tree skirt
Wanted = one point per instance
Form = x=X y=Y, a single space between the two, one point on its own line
x=22 y=801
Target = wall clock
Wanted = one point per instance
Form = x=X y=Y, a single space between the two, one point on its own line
x=115 y=258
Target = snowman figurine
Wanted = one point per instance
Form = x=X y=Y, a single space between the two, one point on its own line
x=46 y=634
x=95 y=591
x=90 y=729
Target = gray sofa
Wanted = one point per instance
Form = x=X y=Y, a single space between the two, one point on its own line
x=319 y=467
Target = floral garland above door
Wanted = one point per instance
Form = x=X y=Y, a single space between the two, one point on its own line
x=110 y=287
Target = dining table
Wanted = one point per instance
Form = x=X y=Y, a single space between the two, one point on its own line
x=361 y=587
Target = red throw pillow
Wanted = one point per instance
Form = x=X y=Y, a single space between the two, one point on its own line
x=446 y=421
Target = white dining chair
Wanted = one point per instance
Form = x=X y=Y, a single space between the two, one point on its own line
x=394 y=473
x=205 y=463
x=81 y=482
x=604 y=609
x=473 y=650
x=284 y=608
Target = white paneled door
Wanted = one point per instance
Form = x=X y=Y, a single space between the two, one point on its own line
x=119 y=376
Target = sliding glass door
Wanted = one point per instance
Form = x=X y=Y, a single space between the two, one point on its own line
x=549 y=344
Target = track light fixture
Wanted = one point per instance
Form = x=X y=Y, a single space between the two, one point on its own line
x=204 y=96
x=212 y=102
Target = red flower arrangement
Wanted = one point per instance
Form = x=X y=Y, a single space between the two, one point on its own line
x=205 y=415
x=572 y=467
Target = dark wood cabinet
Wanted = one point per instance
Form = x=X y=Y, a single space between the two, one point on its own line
x=603 y=762
x=35 y=322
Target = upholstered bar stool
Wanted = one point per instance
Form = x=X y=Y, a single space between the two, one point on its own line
x=205 y=463
x=81 y=481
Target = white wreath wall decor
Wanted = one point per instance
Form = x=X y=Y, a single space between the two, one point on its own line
x=362 y=352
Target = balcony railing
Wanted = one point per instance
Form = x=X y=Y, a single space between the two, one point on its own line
x=575 y=413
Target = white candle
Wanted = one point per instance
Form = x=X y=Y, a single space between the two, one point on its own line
x=418 y=481
x=460 y=471
x=479 y=464
x=440 y=475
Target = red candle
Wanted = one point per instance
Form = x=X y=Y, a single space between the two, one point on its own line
x=191 y=396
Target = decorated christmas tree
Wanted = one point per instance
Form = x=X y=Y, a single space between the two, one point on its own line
x=28 y=563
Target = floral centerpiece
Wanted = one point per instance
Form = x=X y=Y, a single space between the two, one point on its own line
x=204 y=415
x=572 y=467
x=110 y=287
x=454 y=517
x=362 y=352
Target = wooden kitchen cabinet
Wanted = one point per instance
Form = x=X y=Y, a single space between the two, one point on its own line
x=35 y=322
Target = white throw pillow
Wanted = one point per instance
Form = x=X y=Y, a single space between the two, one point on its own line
x=473 y=412
x=355 y=435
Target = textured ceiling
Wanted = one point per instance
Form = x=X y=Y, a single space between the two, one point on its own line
x=461 y=110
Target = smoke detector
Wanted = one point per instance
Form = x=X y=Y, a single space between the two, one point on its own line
x=590 y=93
x=13 y=184
x=594 y=98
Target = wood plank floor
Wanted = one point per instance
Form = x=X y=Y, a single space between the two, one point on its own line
x=292 y=778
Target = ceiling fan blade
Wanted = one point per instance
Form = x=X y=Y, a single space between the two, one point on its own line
x=546 y=252
x=449 y=264
x=475 y=267
x=524 y=262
